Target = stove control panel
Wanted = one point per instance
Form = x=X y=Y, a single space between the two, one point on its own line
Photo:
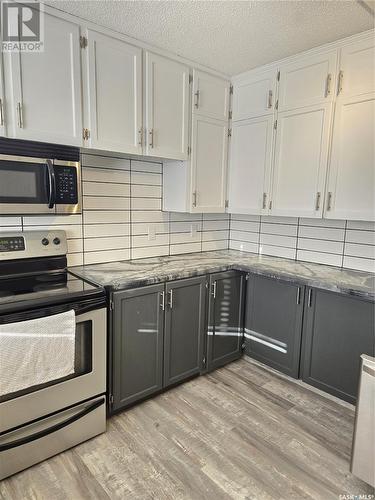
x=32 y=244
x=12 y=243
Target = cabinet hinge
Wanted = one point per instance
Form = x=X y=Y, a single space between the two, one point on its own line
x=229 y=132
x=277 y=105
x=230 y=115
x=275 y=125
x=83 y=42
x=190 y=78
x=226 y=203
x=111 y=305
x=86 y=134
x=231 y=89
x=111 y=399
x=278 y=76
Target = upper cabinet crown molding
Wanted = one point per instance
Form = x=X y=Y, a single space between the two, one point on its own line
x=166 y=107
x=113 y=94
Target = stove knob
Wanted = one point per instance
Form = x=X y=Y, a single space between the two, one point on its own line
x=56 y=241
x=45 y=241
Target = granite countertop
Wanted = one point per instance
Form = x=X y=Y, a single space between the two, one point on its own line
x=134 y=273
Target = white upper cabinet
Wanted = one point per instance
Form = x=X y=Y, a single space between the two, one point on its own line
x=2 y=98
x=351 y=183
x=46 y=87
x=210 y=96
x=209 y=164
x=357 y=69
x=250 y=165
x=307 y=81
x=254 y=95
x=301 y=161
x=113 y=99
x=166 y=107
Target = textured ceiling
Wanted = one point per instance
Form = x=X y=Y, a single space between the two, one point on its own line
x=229 y=36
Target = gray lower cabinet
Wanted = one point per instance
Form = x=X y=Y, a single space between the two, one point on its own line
x=225 y=318
x=137 y=357
x=337 y=330
x=184 y=329
x=273 y=323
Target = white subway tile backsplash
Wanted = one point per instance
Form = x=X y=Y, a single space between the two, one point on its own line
x=191 y=237
x=100 y=230
x=214 y=245
x=281 y=229
x=146 y=166
x=144 y=252
x=105 y=217
x=215 y=225
x=275 y=251
x=361 y=225
x=106 y=256
x=146 y=204
x=214 y=235
x=107 y=161
x=9 y=229
x=321 y=245
x=105 y=189
x=140 y=228
x=185 y=248
x=321 y=233
x=143 y=191
x=146 y=178
x=340 y=224
x=320 y=258
x=144 y=241
x=244 y=246
x=248 y=218
x=271 y=219
x=105 y=203
x=245 y=226
x=244 y=236
x=359 y=264
x=10 y=221
x=277 y=240
x=357 y=250
x=185 y=227
x=52 y=220
x=114 y=242
x=357 y=236
x=105 y=175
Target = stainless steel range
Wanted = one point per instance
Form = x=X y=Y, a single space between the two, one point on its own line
x=52 y=351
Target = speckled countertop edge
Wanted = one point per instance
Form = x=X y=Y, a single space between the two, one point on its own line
x=124 y=275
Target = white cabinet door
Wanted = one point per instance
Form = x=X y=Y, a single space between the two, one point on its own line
x=351 y=186
x=357 y=71
x=301 y=161
x=209 y=164
x=250 y=165
x=308 y=81
x=210 y=96
x=2 y=98
x=46 y=87
x=113 y=94
x=254 y=96
x=167 y=108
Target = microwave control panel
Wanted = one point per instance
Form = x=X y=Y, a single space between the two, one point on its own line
x=66 y=185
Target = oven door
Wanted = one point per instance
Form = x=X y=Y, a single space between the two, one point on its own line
x=87 y=381
x=26 y=185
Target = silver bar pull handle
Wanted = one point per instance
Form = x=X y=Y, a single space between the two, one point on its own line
x=317 y=202
x=339 y=82
x=170 y=293
x=264 y=201
x=194 y=199
x=196 y=101
x=140 y=136
x=162 y=301
x=19 y=115
x=329 y=201
x=269 y=102
x=1 y=113
x=298 y=295
x=214 y=289
x=151 y=143
x=328 y=85
x=309 y=300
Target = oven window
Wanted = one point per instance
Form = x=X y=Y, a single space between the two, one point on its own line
x=23 y=182
x=82 y=364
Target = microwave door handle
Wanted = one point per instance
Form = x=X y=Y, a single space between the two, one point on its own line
x=51 y=184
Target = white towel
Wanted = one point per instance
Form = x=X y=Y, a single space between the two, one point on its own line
x=36 y=351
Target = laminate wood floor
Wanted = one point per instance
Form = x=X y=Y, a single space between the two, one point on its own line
x=242 y=432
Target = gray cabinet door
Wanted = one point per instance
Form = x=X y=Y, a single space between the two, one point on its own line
x=184 y=329
x=225 y=323
x=273 y=323
x=337 y=330
x=137 y=344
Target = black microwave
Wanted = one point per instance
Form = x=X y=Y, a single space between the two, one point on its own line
x=47 y=183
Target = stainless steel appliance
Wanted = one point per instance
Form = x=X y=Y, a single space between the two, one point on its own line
x=39 y=178
x=41 y=420
x=363 y=451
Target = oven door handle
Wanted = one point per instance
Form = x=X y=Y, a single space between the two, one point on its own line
x=51 y=184
x=50 y=430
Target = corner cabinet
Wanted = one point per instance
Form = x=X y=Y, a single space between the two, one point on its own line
x=338 y=329
x=225 y=318
x=273 y=323
x=199 y=184
x=166 y=108
x=45 y=89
